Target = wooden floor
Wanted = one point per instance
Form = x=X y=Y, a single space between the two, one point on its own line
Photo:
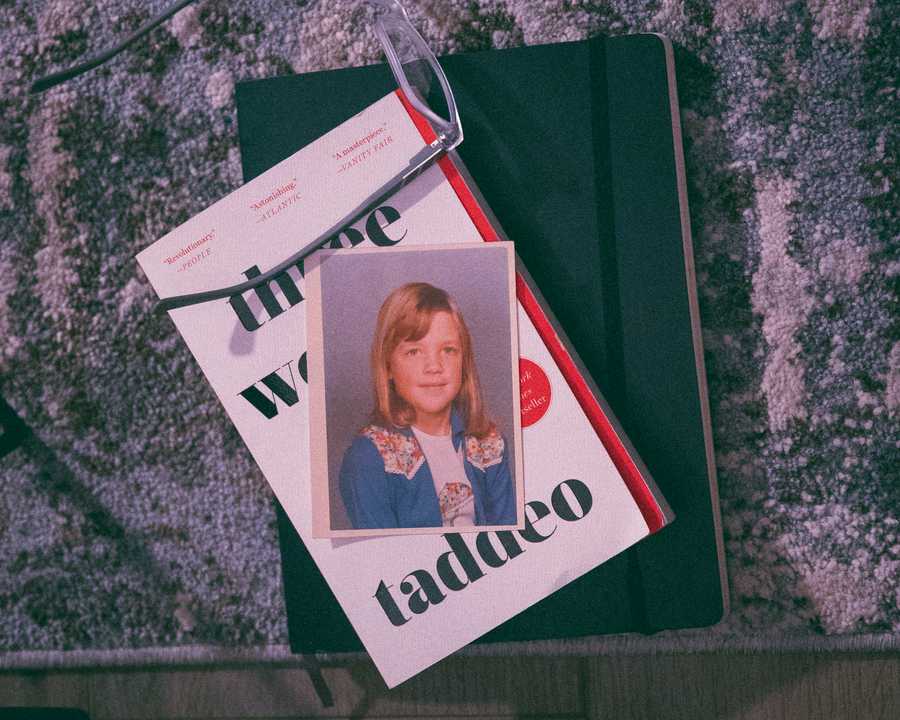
x=856 y=686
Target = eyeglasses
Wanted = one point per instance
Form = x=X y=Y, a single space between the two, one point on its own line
x=415 y=69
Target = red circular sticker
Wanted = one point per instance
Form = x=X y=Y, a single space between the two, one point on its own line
x=534 y=387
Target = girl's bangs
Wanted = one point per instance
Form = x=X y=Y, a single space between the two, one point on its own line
x=414 y=325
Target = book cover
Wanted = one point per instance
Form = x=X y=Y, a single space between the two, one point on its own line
x=411 y=603
x=576 y=148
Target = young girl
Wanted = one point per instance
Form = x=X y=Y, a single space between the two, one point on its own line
x=430 y=457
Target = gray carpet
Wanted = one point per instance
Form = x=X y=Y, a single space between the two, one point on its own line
x=135 y=518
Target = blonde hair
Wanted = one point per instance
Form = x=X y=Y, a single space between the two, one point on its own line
x=406 y=315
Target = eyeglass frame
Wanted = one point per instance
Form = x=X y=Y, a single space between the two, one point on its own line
x=449 y=136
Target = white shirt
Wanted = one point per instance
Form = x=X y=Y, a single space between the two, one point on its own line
x=454 y=491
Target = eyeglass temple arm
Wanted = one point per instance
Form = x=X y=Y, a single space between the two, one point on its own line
x=419 y=162
x=53 y=79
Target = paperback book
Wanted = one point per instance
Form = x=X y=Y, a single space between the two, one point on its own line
x=412 y=601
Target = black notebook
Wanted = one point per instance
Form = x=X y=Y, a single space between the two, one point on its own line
x=576 y=148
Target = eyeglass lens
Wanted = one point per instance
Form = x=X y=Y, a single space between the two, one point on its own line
x=418 y=69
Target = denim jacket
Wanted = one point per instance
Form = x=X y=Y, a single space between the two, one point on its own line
x=386 y=482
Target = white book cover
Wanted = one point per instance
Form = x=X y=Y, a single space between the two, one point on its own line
x=411 y=600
